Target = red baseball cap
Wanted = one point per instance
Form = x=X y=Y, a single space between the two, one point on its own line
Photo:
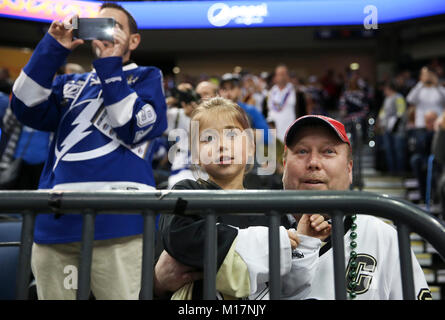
x=335 y=125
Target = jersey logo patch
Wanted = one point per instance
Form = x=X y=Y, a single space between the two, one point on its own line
x=113 y=79
x=80 y=131
x=71 y=89
x=132 y=79
x=366 y=265
x=146 y=116
x=424 y=294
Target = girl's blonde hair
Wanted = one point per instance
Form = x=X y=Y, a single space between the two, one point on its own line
x=218 y=108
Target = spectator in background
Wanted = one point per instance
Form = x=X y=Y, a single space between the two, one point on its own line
x=392 y=120
x=354 y=103
x=438 y=150
x=437 y=67
x=331 y=89
x=178 y=119
x=426 y=96
x=419 y=159
x=250 y=93
x=4 y=102
x=281 y=103
x=28 y=146
x=73 y=68
x=230 y=88
x=314 y=97
x=300 y=93
x=354 y=107
x=263 y=90
x=206 y=90
x=404 y=82
x=248 y=89
x=22 y=149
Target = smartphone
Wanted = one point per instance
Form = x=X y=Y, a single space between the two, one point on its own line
x=93 y=28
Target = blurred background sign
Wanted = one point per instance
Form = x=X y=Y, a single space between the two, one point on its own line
x=234 y=14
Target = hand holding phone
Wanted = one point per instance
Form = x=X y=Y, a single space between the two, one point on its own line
x=59 y=31
x=117 y=48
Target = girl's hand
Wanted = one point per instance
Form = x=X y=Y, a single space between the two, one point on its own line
x=293 y=237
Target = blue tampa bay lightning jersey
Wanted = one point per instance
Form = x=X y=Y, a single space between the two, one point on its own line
x=103 y=122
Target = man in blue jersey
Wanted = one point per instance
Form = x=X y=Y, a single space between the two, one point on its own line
x=103 y=122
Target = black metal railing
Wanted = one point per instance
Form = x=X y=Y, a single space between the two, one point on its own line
x=210 y=204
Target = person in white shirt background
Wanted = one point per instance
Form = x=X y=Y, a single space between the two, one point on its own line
x=281 y=102
x=426 y=96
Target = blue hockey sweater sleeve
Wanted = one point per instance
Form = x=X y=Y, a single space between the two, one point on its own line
x=35 y=96
x=136 y=113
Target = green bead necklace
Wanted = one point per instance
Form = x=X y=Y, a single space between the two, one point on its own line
x=352 y=263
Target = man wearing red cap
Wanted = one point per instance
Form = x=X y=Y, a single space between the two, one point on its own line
x=318 y=157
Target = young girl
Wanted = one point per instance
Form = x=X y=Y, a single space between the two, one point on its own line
x=223 y=146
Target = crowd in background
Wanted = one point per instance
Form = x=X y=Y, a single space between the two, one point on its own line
x=398 y=117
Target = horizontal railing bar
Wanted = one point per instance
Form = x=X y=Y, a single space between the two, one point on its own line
x=10 y=244
x=246 y=201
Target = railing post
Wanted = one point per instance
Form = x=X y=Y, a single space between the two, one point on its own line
x=338 y=248
x=86 y=253
x=148 y=253
x=406 y=265
x=210 y=256
x=24 y=268
x=274 y=256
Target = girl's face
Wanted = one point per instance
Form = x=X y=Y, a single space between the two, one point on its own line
x=224 y=147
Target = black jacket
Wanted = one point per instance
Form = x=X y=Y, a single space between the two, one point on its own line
x=183 y=236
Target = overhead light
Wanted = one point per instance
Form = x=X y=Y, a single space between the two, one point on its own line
x=354 y=66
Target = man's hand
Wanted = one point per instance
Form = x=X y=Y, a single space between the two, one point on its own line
x=109 y=49
x=170 y=275
x=63 y=33
x=293 y=237
x=314 y=225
